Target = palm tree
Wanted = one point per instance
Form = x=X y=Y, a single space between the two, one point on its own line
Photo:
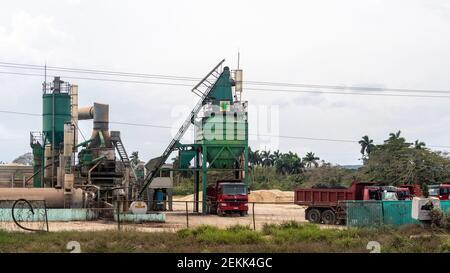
x=419 y=144
x=367 y=145
x=254 y=157
x=396 y=141
x=297 y=164
x=276 y=155
x=311 y=159
x=134 y=158
x=267 y=159
x=395 y=137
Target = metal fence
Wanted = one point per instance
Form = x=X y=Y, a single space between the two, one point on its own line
x=21 y=214
x=183 y=214
x=378 y=213
x=33 y=215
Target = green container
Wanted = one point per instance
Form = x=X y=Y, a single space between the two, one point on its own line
x=397 y=213
x=364 y=213
x=56 y=108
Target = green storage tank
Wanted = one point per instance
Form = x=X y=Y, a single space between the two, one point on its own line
x=224 y=127
x=226 y=140
x=56 y=108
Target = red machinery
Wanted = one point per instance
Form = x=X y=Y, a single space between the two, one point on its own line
x=442 y=191
x=324 y=205
x=227 y=196
x=404 y=193
x=414 y=189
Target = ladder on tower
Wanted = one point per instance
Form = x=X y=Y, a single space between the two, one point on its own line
x=117 y=142
x=202 y=89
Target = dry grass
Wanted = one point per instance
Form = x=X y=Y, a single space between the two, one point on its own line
x=286 y=237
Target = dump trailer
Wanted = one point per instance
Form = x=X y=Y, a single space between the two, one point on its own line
x=227 y=197
x=325 y=205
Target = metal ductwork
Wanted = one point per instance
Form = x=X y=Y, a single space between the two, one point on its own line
x=98 y=112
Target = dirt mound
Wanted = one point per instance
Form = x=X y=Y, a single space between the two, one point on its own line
x=255 y=196
x=189 y=197
x=271 y=196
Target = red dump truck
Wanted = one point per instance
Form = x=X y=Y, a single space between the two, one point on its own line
x=227 y=197
x=441 y=191
x=325 y=206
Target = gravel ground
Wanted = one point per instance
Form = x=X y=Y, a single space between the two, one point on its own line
x=176 y=219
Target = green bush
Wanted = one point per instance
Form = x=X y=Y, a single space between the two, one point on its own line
x=185 y=187
x=238 y=228
x=445 y=246
x=437 y=218
x=238 y=234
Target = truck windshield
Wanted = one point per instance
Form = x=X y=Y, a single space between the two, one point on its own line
x=389 y=195
x=433 y=191
x=403 y=194
x=234 y=189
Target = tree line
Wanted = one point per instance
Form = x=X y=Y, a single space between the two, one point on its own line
x=284 y=163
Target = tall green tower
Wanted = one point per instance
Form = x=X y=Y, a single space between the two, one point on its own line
x=221 y=136
x=56 y=111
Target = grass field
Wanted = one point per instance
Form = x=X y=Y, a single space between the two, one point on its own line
x=286 y=237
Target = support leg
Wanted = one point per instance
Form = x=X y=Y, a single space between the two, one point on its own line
x=204 y=182
x=196 y=181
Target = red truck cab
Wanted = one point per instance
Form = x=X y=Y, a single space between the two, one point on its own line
x=380 y=193
x=404 y=194
x=227 y=197
x=414 y=190
x=441 y=191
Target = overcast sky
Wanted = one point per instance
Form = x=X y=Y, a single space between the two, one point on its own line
x=394 y=44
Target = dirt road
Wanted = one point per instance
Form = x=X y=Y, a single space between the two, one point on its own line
x=176 y=219
x=264 y=213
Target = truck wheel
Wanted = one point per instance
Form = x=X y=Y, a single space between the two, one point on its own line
x=313 y=215
x=329 y=217
x=219 y=212
x=243 y=213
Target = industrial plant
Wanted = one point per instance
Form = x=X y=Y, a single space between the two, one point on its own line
x=95 y=173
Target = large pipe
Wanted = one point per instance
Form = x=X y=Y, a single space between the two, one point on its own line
x=99 y=113
x=54 y=198
x=101 y=116
x=85 y=113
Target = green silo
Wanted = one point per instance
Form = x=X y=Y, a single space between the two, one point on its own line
x=56 y=112
x=224 y=127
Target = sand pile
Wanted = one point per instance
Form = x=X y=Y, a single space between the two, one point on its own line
x=189 y=197
x=271 y=196
x=255 y=196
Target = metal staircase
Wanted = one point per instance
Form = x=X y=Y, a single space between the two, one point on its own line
x=117 y=142
x=202 y=89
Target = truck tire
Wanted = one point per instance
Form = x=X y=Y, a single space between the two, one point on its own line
x=219 y=212
x=329 y=217
x=313 y=216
